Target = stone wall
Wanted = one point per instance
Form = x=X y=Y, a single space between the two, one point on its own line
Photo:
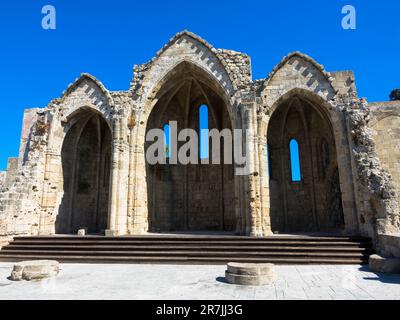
x=3 y=176
x=29 y=118
x=12 y=170
x=385 y=125
x=7 y=178
x=376 y=197
x=20 y=201
x=344 y=82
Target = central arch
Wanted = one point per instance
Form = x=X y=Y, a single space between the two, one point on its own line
x=194 y=197
x=305 y=191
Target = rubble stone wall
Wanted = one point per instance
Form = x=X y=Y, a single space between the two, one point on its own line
x=377 y=199
x=3 y=176
x=12 y=170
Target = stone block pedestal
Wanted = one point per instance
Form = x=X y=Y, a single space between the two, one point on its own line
x=249 y=274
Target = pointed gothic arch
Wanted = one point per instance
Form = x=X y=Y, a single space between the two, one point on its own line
x=195 y=197
x=86 y=169
x=314 y=202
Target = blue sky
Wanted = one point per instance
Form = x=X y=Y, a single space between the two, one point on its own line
x=106 y=38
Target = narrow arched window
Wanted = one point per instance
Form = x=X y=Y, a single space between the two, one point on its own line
x=167 y=140
x=204 y=130
x=295 y=160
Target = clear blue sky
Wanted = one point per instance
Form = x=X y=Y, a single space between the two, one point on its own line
x=106 y=38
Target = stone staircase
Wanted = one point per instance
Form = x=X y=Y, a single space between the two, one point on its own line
x=191 y=249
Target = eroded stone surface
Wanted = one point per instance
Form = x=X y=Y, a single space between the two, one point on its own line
x=390 y=245
x=246 y=280
x=3 y=177
x=384 y=265
x=251 y=274
x=35 y=270
x=251 y=269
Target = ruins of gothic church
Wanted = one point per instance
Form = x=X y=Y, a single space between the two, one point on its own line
x=82 y=158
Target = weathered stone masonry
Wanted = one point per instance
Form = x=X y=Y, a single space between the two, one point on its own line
x=82 y=158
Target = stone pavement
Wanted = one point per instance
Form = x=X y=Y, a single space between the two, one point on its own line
x=88 y=281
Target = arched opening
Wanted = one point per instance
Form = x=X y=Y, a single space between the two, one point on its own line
x=86 y=166
x=305 y=193
x=194 y=197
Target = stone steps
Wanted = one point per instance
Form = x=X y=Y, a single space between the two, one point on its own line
x=205 y=242
x=186 y=253
x=179 y=260
x=183 y=247
x=191 y=249
x=197 y=238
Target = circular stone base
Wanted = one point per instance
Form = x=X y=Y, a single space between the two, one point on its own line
x=250 y=274
x=251 y=269
x=35 y=270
